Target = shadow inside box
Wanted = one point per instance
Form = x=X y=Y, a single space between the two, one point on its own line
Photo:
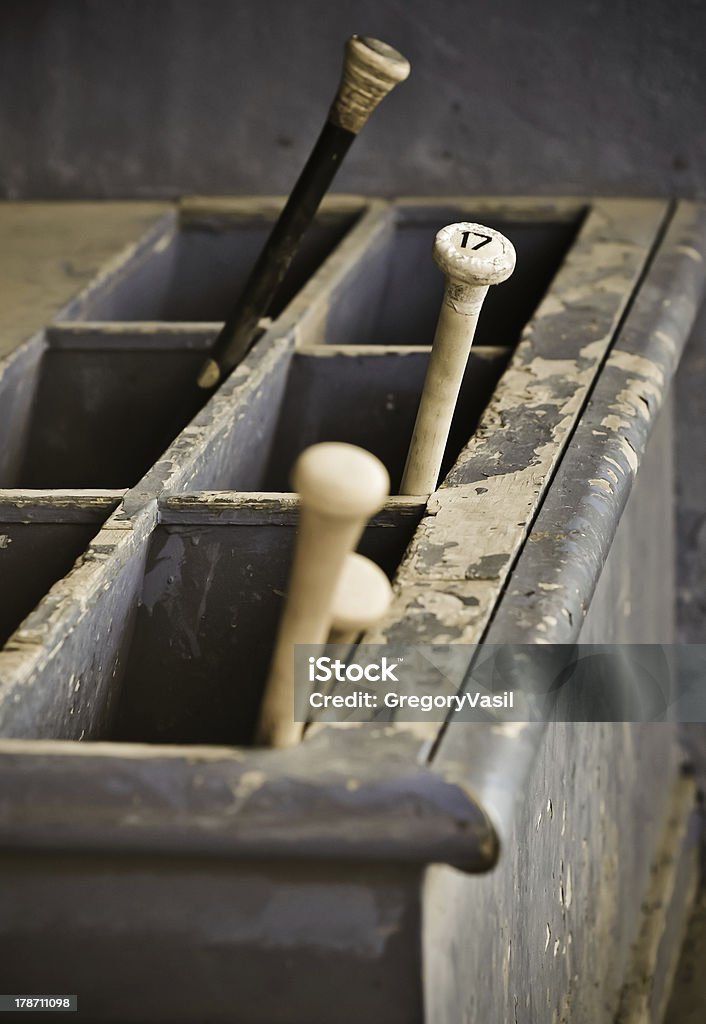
x=94 y=405
x=196 y=661
x=196 y=271
x=39 y=543
x=394 y=295
x=101 y=406
x=370 y=399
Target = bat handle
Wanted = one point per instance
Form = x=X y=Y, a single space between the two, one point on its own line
x=361 y=598
x=371 y=69
x=340 y=487
x=473 y=258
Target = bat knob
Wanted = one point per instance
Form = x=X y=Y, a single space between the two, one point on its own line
x=362 y=596
x=371 y=69
x=340 y=480
x=472 y=254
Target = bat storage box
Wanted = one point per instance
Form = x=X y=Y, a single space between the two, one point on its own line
x=155 y=862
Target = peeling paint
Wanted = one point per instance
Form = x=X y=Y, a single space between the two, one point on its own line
x=632 y=362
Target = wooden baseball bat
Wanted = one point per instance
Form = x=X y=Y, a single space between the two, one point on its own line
x=472 y=257
x=371 y=69
x=362 y=597
x=340 y=487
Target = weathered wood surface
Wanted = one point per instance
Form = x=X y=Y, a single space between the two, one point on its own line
x=579 y=809
x=553 y=582
x=375 y=303
x=40 y=539
x=138 y=336
x=589 y=571
x=190 y=268
x=438 y=798
x=50 y=251
x=60 y=671
x=504 y=471
x=209 y=607
x=84 y=506
x=103 y=410
x=672 y=886
x=316 y=802
x=215 y=211
x=271 y=942
x=199 y=508
x=456 y=568
x=18 y=385
x=559 y=915
x=552 y=585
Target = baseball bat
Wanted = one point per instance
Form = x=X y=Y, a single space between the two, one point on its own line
x=472 y=258
x=340 y=487
x=371 y=69
x=362 y=597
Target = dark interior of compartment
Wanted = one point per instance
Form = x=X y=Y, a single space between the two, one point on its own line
x=102 y=416
x=33 y=556
x=370 y=401
x=205 y=627
x=198 y=276
x=402 y=299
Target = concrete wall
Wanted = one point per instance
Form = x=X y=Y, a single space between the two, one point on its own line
x=156 y=97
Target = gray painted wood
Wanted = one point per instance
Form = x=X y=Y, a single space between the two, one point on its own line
x=265 y=922
x=580 y=819
x=397 y=301
x=369 y=399
x=104 y=405
x=18 y=386
x=380 y=802
x=60 y=671
x=40 y=539
x=191 y=266
x=553 y=582
x=208 y=609
x=554 y=579
x=620 y=588
x=537 y=403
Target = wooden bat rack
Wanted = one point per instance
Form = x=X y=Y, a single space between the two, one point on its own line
x=146 y=529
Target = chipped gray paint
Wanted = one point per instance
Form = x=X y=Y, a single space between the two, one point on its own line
x=484 y=508
x=439 y=801
x=558 y=570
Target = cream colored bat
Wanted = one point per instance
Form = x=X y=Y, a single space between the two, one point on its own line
x=340 y=487
x=472 y=257
x=362 y=597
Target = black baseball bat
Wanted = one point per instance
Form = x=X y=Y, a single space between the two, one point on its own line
x=371 y=69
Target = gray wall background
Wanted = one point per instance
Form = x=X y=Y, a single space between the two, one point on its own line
x=157 y=97
x=147 y=98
